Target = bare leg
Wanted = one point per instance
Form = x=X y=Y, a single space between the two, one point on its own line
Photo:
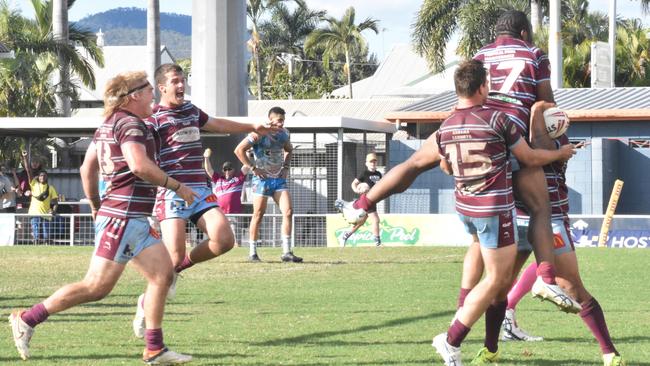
x=283 y=200
x=100 y=279
x=259 y=208
x=173 y=232
x=156 y=267
x=220 y=236
x=530 y=187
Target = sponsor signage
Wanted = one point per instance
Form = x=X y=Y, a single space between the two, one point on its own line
x=401 y=230
x=447 y=230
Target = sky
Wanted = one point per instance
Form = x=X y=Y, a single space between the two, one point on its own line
x=395 y=16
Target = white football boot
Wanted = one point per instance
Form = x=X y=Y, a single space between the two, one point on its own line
x=512 y=332
x=449 y=353
x=22 y=334
x=556 y=295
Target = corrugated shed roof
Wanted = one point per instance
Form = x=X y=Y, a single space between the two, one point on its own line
x=569 y=99
x=370 y=109
x=401 y=67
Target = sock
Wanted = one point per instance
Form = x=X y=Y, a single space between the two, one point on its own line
x=592 y=315
x=286 y=244
x=252 y=248
x=457 y=333
x=185 y=264
x=35 y=316
x=377 y=240
x=154 y=339
x=363 y=202
x=461 y=297
x=522 y=286
x=547 y=272
x=494 y=316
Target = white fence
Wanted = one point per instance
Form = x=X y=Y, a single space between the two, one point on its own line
x=78 y=229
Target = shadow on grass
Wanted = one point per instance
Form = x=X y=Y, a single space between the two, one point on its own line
x=315 y=337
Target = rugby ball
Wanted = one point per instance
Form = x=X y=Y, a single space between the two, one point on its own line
x=557 y=122
x=363 y=188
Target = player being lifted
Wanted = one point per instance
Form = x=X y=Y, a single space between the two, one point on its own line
x=568 y=275
x=178 y=125
x=123 y=150
x=519 y=74
x=476 y=140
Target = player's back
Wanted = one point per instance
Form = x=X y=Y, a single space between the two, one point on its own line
x=515 y=68
x=475 y=141
x=126 y=194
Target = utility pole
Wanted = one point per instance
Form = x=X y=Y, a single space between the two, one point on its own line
x=612 y=42
x=153 y=43
x=62 y=80
x=555 y=44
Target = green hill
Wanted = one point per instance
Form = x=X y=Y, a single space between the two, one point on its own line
x=128 y=26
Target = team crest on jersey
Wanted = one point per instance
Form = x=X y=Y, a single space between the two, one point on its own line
x=187 y=134
x=211 y=198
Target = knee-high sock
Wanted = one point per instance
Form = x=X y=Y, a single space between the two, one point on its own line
x=494 y=316
x=457 y=333
x=154 y=339
x=185 y=264
x=592 y=314
x=523 y=286
x=35 y=316
x=461 y=297
x=547 y=272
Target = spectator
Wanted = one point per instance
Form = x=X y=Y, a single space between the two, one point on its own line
x=30 y=170
x=43 y=196
x=8 y=187
x=227 y=186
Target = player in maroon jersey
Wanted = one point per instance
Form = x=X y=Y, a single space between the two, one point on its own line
x=519 y=74
x=177 y=124
x=568 y=274
x=123 y=151
x=476 y=141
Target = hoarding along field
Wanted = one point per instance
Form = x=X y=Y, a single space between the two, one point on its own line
x=351 y=306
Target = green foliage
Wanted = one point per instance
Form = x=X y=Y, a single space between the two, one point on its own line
x=353 y=306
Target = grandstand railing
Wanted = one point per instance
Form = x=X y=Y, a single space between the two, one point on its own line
x=308 y=230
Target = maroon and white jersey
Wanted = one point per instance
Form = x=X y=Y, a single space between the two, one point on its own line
x=558 y=191
x=475 y=141
x=127 y=195
x=179 y=138
x=515 y=68
x=228 y=191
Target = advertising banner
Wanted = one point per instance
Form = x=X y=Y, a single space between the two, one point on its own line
x=401 y=230
x=625 y=231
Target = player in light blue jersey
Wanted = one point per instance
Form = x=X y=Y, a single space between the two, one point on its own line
x=271 y=168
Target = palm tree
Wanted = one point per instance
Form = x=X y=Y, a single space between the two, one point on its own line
x=255 y=10
x=438 y=20
x=285 y=32
x=340 y=36
x=632 y=54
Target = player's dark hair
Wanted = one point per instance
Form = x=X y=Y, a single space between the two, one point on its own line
x=163 y=69
x=277 y=110
x=468 y=77
x=511 y=23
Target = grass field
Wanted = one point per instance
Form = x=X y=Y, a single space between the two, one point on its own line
x=358 y=306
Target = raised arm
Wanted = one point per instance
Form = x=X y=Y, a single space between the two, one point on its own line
x=223 y=125
x=207 y=165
